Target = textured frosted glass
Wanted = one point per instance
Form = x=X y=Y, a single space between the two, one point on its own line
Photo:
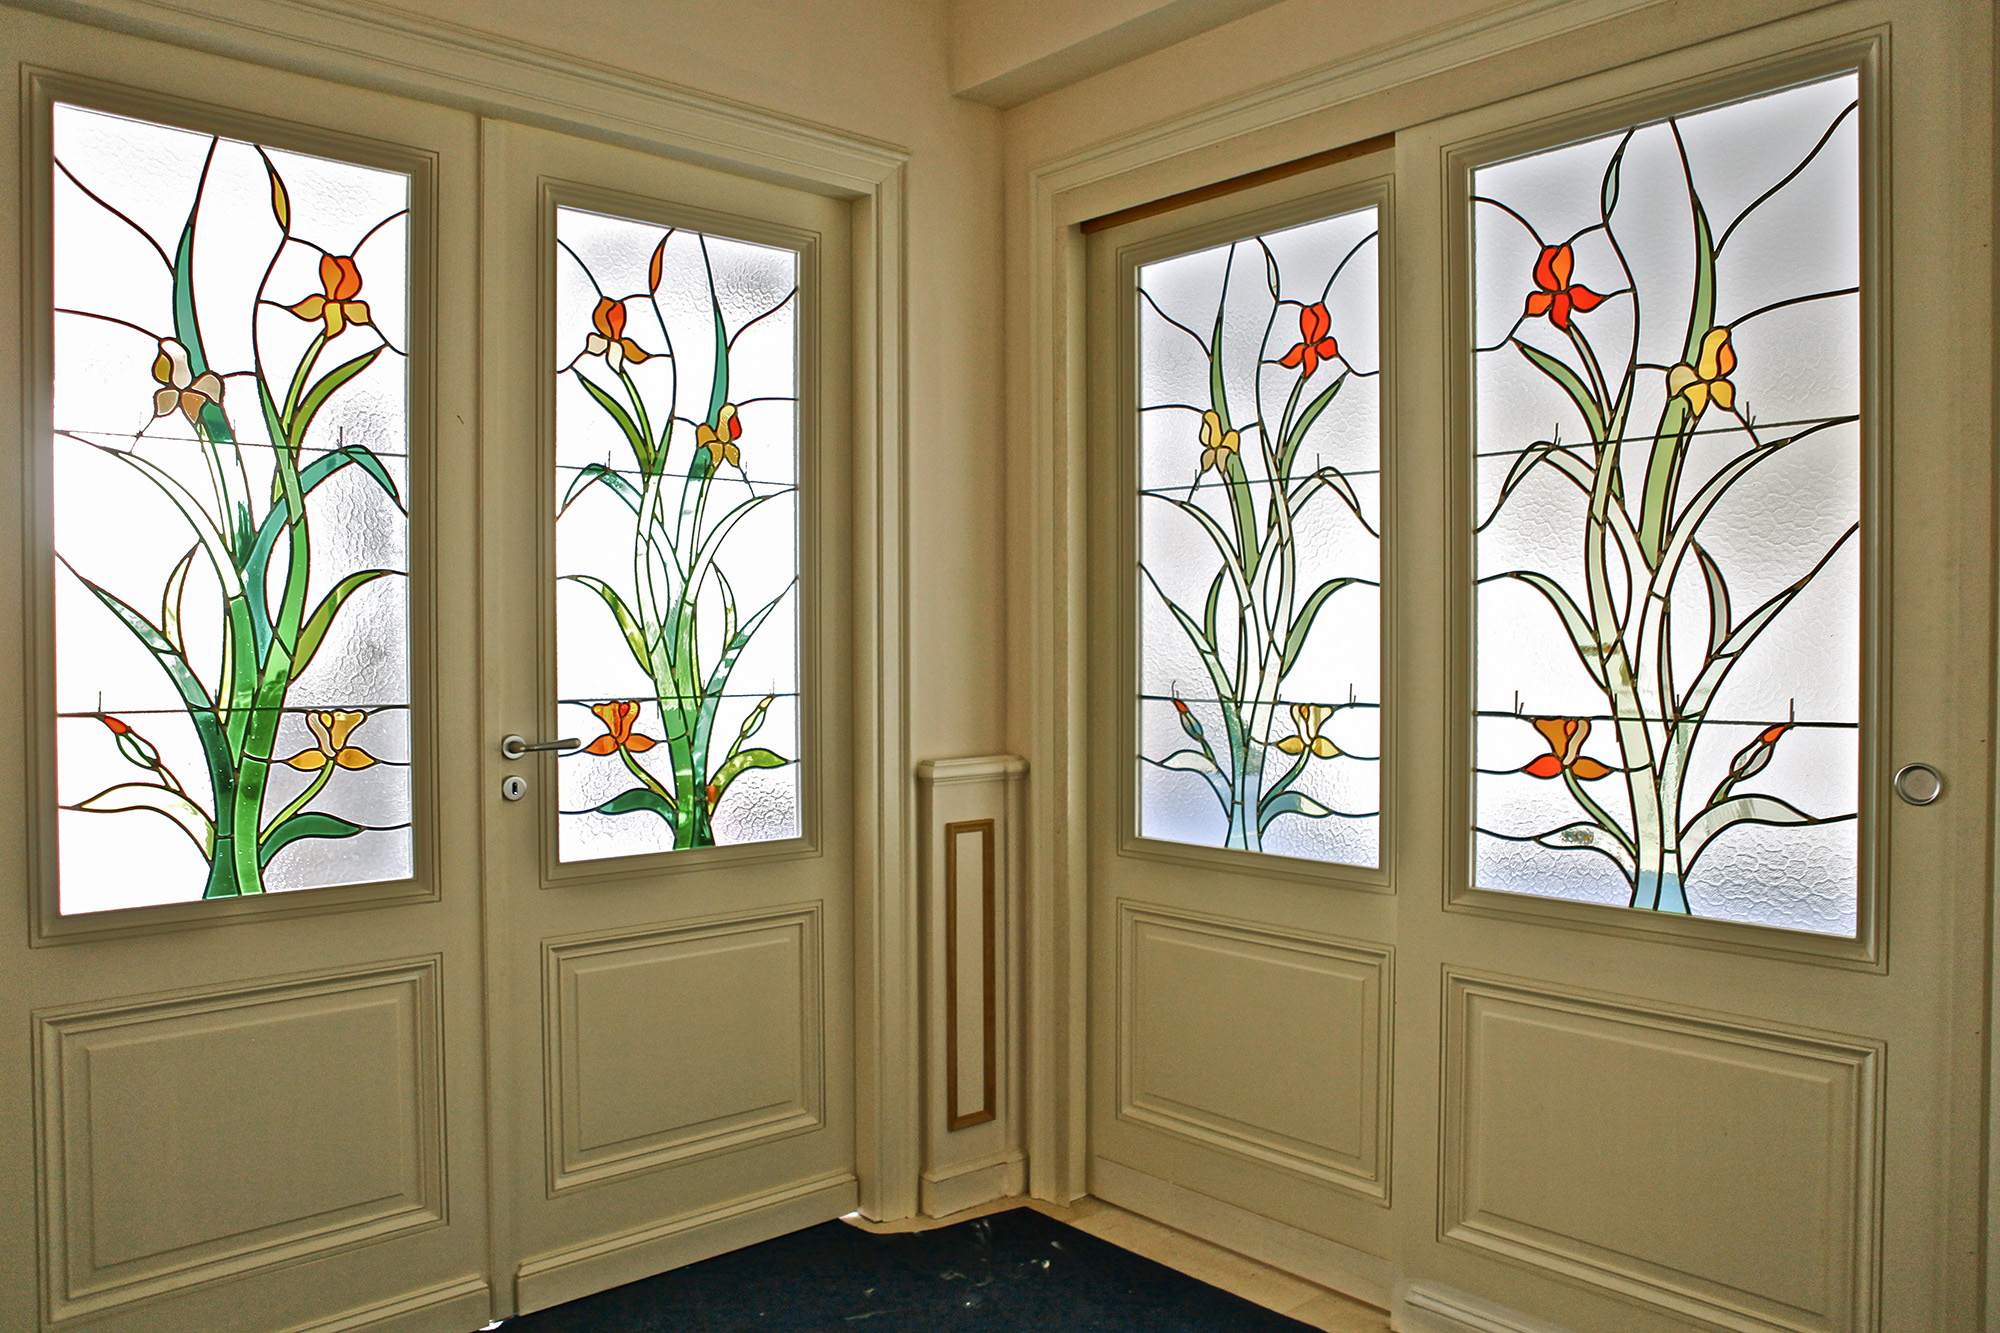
x=1260 y=513
x=677 y=552
x=1668 y=333
x=232 y=675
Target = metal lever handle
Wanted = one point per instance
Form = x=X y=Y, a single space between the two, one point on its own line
x=515 y=747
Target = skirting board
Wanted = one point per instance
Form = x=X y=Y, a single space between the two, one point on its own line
x=968 y=1186
x=612 y=1261
x=1314 y=1258
x=449 y=1304
x=1424 y=1307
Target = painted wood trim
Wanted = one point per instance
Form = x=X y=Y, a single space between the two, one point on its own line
x=957 y=1117
x=1249 y=180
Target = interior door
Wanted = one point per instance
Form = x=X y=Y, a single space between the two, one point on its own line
x=1242 y=927
x=1697 y=550
x=669 y=858
x=243 y=947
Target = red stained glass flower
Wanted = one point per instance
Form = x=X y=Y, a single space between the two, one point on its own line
x=1558 y=295
x=1313 y=345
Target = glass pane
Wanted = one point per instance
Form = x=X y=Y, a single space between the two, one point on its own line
x=1259 y=563
x=231 y=527
x=1668 y=441
x=677 y=550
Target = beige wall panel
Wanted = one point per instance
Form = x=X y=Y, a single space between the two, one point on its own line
x=1719 y=1170
x=1268 y=1045
x=203 y=1136
x=634 y=1085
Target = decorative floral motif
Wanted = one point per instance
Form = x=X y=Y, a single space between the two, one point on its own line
x=1558 y=295
x=180 y=386
x=1314 y=345
x=331 y=731
x=609 y=341
x=1706 y=379
x=250 y=572
x=1309 y=718
x=720 y=439
x=340 y=281
x=1217 y=445
x=1565 y=736
x=618 y=718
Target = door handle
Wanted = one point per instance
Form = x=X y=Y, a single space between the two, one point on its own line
x=1919 y=784
x=514 y=747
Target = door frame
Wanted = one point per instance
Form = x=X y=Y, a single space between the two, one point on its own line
x=1434 y=75
x=439 y=62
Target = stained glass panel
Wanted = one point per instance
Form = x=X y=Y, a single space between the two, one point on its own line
x=231 y=473
x=1259 y=564
x=677 y=553
x=1668 y=461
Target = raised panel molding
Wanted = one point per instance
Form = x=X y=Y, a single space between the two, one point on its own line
x=1271 y=1045
x=1723 y=1169
x=632 y=1086
x=190 y=1138
x=972 y=907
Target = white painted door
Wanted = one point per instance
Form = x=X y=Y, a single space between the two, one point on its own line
x=667 y=545
x=1662 y=1009
x=1698 y=502
x=1242 y=975
x=244 y=955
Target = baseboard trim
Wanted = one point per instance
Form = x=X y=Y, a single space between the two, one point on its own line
x=612 y=1261
x=1343 y=1268
x=465 y=1299
x=1425 y=1307
x=967 y=1185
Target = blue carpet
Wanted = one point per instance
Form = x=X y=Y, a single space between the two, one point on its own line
x=1016 y=1270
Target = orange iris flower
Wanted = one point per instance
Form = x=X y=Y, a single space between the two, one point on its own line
x=340 y=280
x=1558 y=295
x=1313 y=345
x=610 y=341
x=618 y=718
x=1565 y=736
x=720 y=439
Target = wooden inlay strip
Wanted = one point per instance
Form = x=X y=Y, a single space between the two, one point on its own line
x=957 y=1118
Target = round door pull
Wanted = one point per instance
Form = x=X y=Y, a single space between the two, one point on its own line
x=1919 y=784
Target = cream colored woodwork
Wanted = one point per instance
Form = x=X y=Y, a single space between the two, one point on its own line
x=1240 y=1004
x=671 y=1035
x=267 y=1116
x=1588 y=1119
x=972 y=908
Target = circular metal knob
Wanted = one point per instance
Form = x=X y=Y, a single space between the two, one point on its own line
x=1919 y=784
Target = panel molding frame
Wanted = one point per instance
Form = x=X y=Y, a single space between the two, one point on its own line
x=1374 y=1186
x=559 y=1112
x=956 y=1117
x=63 y=1300
x=1864 y=1057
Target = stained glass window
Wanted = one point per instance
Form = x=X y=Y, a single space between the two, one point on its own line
x=1259 y=525
x=231 y=480
x=1668 y=462
x=677 y=553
